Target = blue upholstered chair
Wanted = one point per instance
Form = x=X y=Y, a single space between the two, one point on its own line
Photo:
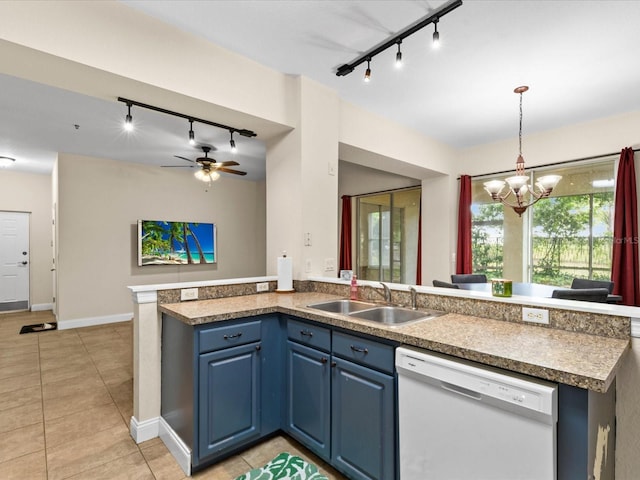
x=469 y=278
x=583 y=294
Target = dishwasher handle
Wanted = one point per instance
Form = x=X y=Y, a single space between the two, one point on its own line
x=465 y=392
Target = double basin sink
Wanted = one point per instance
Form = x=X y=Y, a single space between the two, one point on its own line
x=384 y=314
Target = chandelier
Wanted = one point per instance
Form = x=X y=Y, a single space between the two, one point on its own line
x=520 y=195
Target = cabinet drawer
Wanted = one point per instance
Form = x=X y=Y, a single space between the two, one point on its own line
x=215 y=338
x=364 y=351
x=309 y=334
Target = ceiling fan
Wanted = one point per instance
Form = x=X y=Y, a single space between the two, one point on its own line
x=208 y=165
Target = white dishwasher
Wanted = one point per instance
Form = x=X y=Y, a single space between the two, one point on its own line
x=460 y=420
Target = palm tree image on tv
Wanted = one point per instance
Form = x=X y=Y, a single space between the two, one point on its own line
x=176 y=243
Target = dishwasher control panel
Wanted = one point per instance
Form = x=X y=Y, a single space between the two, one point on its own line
x=477 y=381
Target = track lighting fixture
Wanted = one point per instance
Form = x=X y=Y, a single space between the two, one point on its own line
x=192 y=137
x=232 y=143
x=367 y=73
x=436 y=35
x=128 y=120
x=434 y=17
x=399 y=56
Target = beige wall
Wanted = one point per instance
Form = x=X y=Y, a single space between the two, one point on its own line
x=99 y=203
x=23 y=192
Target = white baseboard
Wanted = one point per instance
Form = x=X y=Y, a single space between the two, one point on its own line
x=145 y=430
x=38 y=307
x=176 y=446
x=91 y=321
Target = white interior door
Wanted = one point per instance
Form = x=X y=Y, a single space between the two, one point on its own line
x=14 y=261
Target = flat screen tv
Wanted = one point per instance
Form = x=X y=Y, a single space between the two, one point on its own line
x=162 y=242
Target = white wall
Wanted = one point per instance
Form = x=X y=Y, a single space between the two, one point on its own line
x=23 y=192
x=99 y=203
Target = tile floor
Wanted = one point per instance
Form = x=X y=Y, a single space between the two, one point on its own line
x=66 y=398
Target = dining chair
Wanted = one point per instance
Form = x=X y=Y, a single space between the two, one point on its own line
x=440 y=283
x=585 y=283
x=598 y=295
x=469 y=278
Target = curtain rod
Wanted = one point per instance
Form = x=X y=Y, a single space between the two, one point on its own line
x=594 y=157
x=385 y=191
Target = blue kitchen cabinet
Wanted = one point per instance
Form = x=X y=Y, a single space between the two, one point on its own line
x=363 y=408
x=308 y=406
x=362 y=418
x=222 y=384
x=229 y=398
x=308 y=416
x=341 y=399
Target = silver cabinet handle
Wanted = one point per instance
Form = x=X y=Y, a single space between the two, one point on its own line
x=235 y=335
x=359 y=350
x=306 y=333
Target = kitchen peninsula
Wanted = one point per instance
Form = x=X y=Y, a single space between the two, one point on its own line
x=583 y=351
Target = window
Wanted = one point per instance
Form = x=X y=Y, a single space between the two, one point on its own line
x=387 y=236
x=566 y=236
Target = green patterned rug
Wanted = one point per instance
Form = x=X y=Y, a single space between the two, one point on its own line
x=285 y=467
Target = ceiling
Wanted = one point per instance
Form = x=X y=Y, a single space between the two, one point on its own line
x=578 y=57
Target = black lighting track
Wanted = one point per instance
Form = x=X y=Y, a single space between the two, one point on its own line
x=347 y=68
x=240 y=131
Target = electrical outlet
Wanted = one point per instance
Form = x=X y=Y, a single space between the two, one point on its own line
x=262 y=287
x=535 y=315
x=307 y=239
x=329 y=264
x=188 y=294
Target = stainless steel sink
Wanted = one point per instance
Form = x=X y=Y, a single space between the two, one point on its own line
x=387 y=315
x=345 y=307
x=394 y=315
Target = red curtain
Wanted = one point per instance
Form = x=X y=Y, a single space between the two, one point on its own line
x=345 y=234
x=464 y=263
x=624 y=268
x=419 y=259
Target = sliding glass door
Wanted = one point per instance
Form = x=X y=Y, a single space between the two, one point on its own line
x=387 y=236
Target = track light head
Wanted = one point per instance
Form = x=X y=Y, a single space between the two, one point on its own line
x=436 y=35
x=128 y=120
x=367 y=73
x=399 y=56
x=192 y=137
x=232 y=142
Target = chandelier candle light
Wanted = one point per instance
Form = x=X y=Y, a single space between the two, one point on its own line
x=519 y=183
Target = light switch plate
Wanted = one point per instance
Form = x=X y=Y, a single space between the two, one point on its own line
x=535 y=315
x=188 y=294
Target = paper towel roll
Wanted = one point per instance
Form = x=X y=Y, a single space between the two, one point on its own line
x=285 y=274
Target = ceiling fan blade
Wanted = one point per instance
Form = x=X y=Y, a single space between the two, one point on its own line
x=177 y=166
x=219 y=165
x=229 y=170
x=183 y=158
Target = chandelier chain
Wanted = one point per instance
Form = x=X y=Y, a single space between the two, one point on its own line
x=520 y=131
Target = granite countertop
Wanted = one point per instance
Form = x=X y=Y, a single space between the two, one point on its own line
x=577 y=359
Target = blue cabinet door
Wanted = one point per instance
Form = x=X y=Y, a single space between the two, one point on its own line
x=308 y=415
x=363 y=419
x=229 y=399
